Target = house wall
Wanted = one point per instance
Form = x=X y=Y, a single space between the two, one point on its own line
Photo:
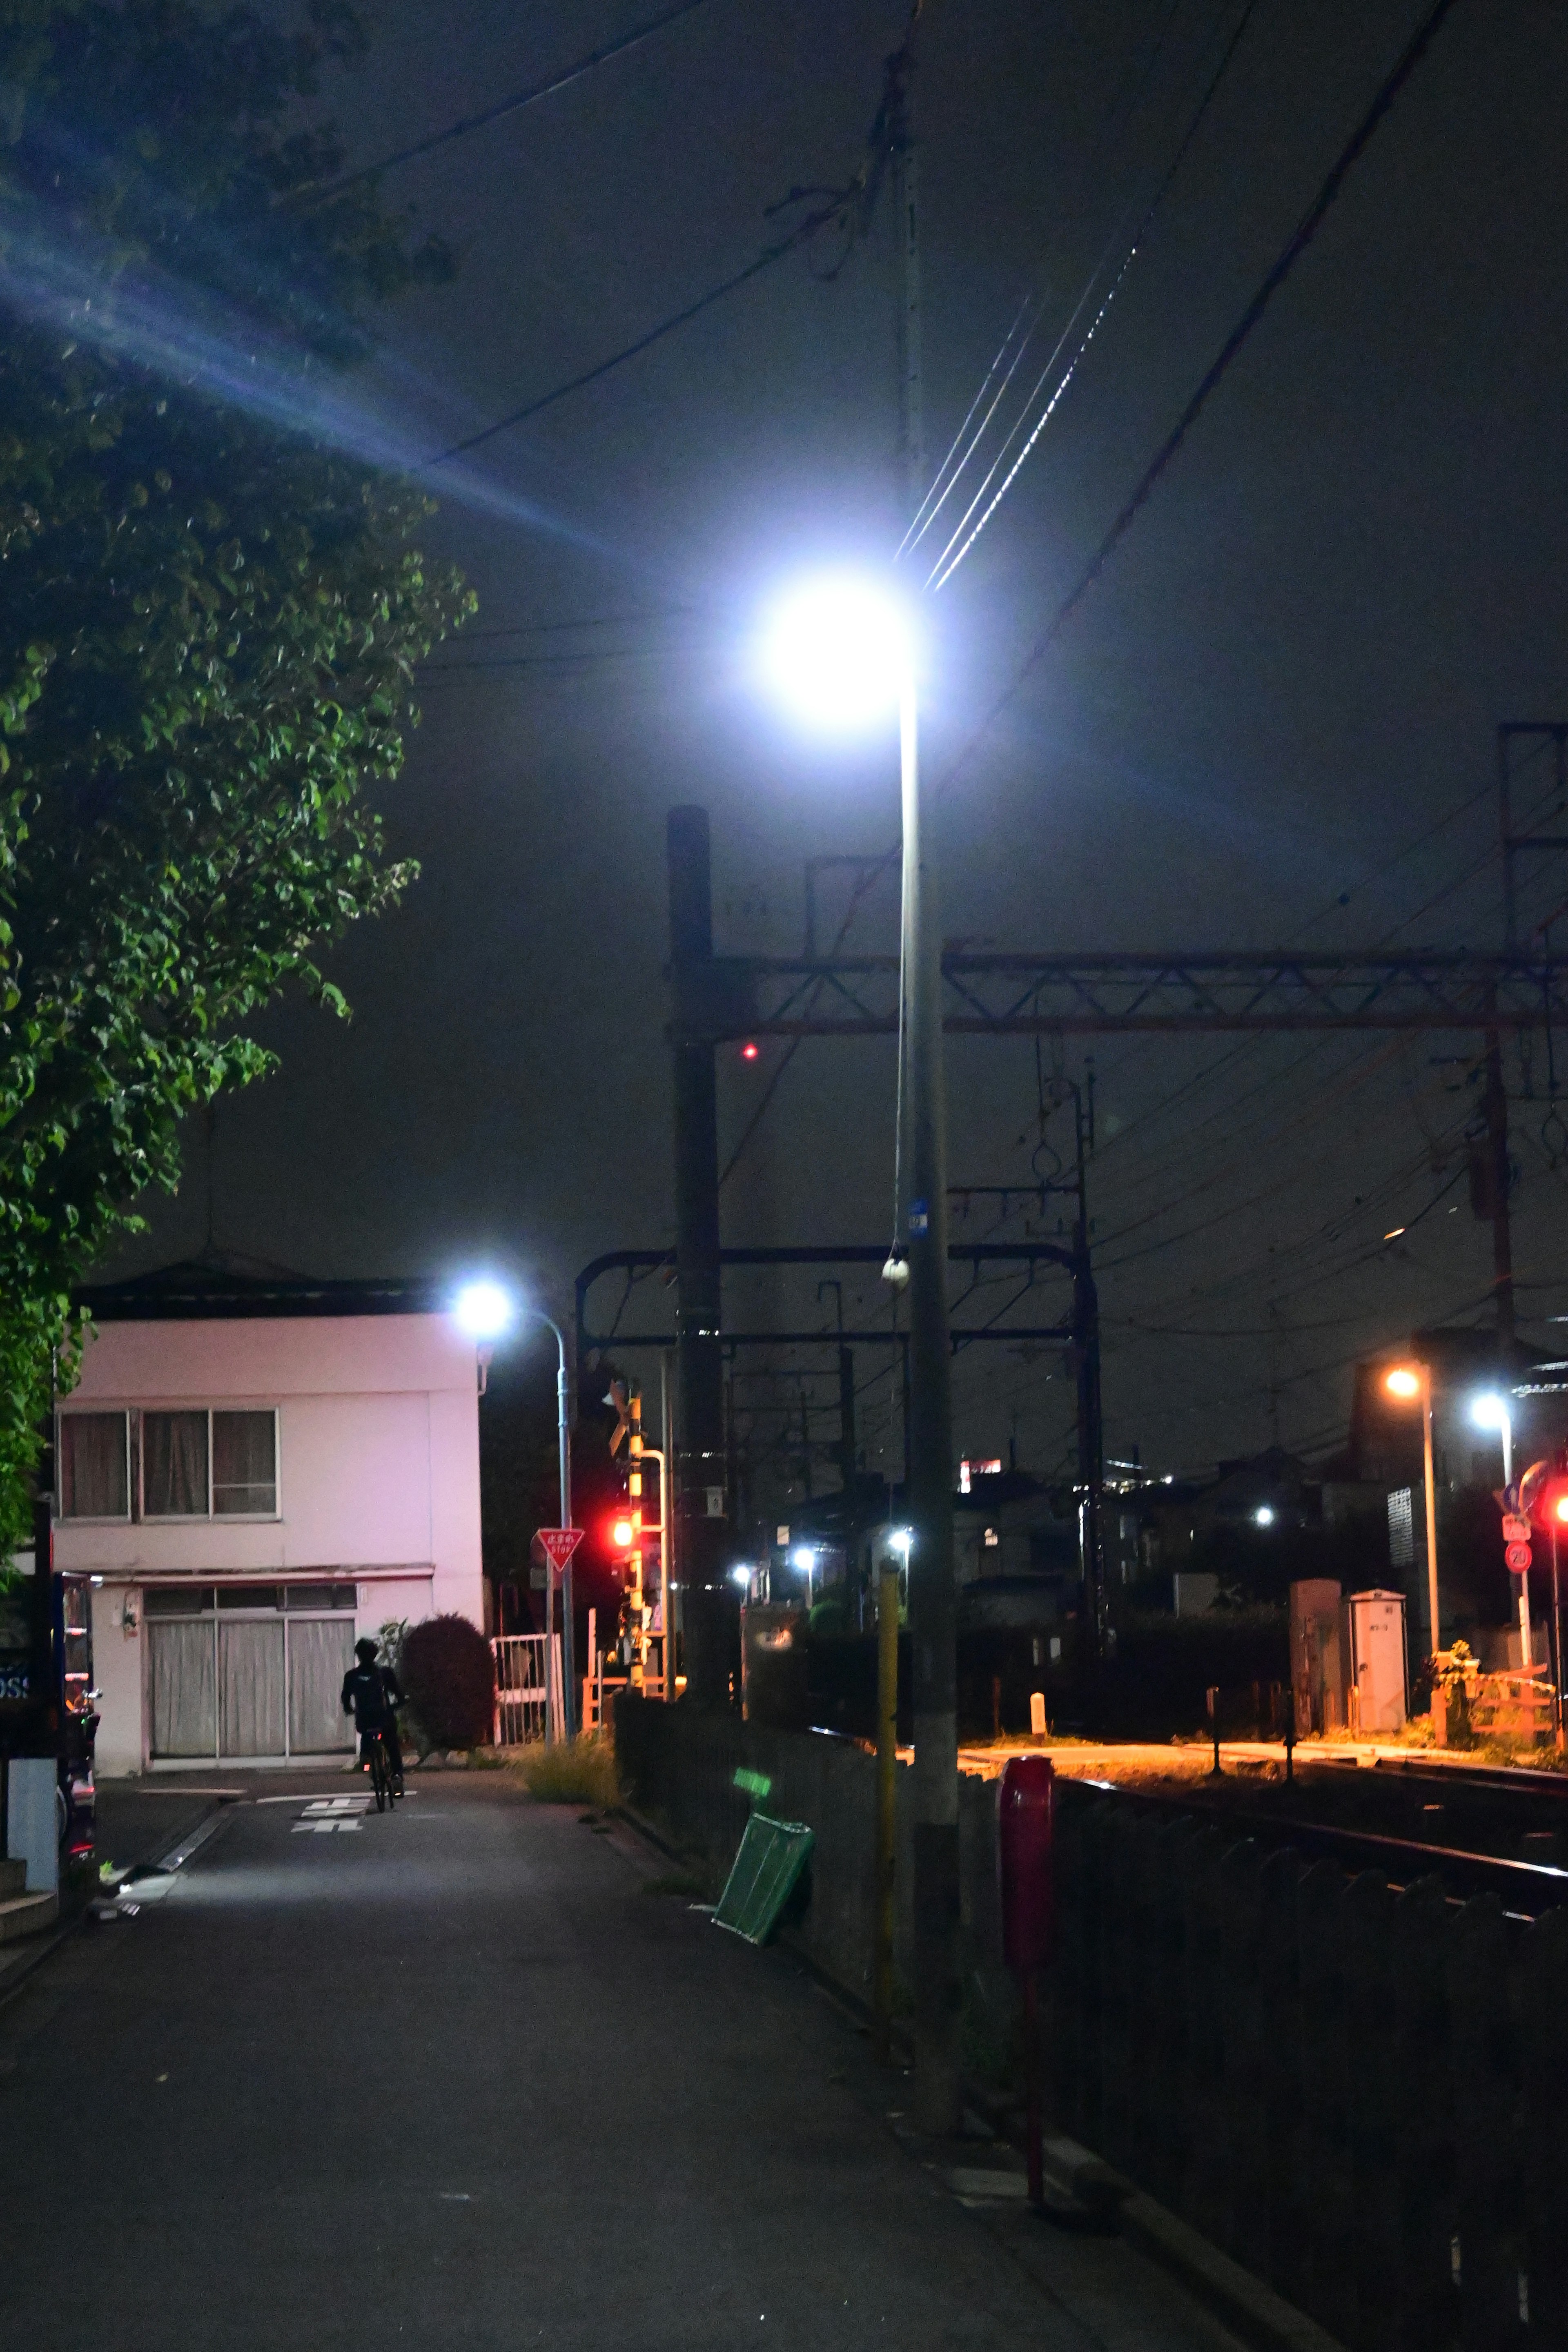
x=378 y=1464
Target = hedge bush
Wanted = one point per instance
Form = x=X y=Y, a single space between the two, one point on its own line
x=450 y=1682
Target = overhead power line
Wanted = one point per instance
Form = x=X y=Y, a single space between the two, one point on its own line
x=499 y=112
x=962 y=537
x=838 y=208
x=1290 y=253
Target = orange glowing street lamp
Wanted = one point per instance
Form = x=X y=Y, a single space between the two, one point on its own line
x=1407 y=1383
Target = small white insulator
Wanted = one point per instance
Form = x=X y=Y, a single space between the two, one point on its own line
x=895 y=1271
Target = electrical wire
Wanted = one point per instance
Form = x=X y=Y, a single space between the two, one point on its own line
x=1285 y=262
x=952 y=464
x=561 y=79
x=947 y=563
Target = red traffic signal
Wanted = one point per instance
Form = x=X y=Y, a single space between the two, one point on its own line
x=1543 y=1498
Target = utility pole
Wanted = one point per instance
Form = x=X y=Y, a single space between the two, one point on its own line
x=1091 y=1419
x=700 y=1482
x=1497 y=1165
x=928 y=1482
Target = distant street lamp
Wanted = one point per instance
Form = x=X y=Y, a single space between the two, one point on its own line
x=1407 y=1383
x=485 y=1310
x=842 y=651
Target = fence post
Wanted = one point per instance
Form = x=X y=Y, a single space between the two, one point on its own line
x=1206 y=1988
x=1280 y=2062
x=1421 y=2059
x=1325 y=2187
x=1489 y=2236
x=1372 y=2103
x=1543 y=1967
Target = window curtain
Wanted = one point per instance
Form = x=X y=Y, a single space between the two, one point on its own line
x=175 y=1466
x=250 y=1688
x=185 y=1699
x=321 y=1651
x=94 y=1484
x=245 y=1471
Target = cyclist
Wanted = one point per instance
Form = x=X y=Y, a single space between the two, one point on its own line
x=370 y=1695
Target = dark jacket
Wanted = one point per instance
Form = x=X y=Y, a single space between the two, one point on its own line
x=372 y=1692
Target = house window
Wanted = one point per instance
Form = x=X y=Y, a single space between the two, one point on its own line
x=244 y=1465
x=95 y=1467
x=175 y=1466
x=210 y=1465
x=991 y=1538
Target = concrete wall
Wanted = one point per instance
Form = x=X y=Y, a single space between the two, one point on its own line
x=378 y=1476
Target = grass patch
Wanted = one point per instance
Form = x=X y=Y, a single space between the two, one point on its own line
x=580 y=1771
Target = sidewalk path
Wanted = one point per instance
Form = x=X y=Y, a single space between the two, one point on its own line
x=453 y=2078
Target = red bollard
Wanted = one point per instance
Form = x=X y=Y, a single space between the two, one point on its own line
x=1025 y=1826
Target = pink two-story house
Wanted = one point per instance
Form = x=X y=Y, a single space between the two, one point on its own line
x=253 y=1471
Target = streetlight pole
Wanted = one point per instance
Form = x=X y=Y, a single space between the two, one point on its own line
x=1430 y=1482
x=563 y=1447
x=922 y=1151
x=1406 y=1382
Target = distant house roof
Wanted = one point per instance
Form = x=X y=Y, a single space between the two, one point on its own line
x=224 y=1289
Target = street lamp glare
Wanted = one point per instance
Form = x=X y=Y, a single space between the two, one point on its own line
x=1488 y=1411
x=484 y=1310
x=1403 y=1382
x=838 y=651
x=805 y=1559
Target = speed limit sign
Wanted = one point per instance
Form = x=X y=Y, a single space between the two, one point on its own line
x=1517 y=1557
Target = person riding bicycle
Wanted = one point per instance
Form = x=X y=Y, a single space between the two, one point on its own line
x=370 y=1694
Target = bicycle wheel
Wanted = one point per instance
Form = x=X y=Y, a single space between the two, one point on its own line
x=380 y=1778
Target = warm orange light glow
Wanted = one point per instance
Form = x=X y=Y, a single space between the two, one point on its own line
x=1403 y=1382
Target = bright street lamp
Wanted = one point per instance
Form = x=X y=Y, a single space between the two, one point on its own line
x=838 y=652
x=842 y=651
x=484 y=1310
x=1407 y=1383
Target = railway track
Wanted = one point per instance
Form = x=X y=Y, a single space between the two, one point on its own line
x=1524 y=1889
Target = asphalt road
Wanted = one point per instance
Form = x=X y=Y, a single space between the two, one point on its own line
x=456 y=2078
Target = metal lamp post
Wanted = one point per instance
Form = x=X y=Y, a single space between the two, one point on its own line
x=484 y=1309
x=1405 y=1381
x=564 y=1445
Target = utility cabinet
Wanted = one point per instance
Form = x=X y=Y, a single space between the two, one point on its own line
x=1317 y=1673
x=1372 y=1640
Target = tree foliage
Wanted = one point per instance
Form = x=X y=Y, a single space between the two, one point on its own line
x=210 y=608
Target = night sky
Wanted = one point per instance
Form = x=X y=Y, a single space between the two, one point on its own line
x=1258 y=729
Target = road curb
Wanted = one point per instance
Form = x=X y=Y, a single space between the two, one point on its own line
x=202 y=1828
x=1260 y=2316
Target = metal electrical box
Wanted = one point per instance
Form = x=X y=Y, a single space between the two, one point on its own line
x=1372 y=1644
x=1317 y=1673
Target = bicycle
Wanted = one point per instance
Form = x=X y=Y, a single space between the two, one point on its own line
x=386 y=1782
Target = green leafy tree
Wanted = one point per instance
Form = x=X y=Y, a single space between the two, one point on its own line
x=211 y=604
